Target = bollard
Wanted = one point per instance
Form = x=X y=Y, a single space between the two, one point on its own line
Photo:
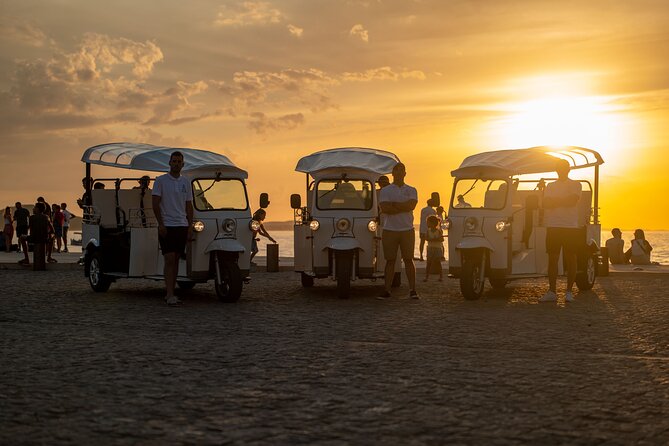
x=273 y=258
x=604 y=266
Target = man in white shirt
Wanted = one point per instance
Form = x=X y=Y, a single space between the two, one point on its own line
x=397 y=201
x=172 y=200
x=562 y=229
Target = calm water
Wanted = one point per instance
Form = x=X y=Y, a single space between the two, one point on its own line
x=658 y=239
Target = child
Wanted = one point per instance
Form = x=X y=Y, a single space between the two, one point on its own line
x=435 y=247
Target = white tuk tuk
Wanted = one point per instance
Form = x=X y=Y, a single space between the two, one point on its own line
x=337 y=233
x=120 y=232
x=495 y=219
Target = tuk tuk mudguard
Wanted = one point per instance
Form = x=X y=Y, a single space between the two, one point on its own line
x=226 y=245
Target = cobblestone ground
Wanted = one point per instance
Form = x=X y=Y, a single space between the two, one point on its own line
x=288 y=365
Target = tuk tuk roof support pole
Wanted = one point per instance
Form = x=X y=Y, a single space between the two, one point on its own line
x=596 y=204
x=88 y=185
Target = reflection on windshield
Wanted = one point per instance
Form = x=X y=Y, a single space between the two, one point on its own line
x=350 y=194
x=482 y=194
x=209 y=194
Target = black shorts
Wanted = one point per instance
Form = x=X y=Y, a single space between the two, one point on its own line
x=570 y=240
x=175 y=240
x=392 y=240
x=21 y=230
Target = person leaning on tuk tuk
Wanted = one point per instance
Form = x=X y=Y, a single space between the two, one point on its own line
x=397 y=201
x=562 y=231
x=172 y=200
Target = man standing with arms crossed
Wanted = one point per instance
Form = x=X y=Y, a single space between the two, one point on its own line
x=562 y=229
x=397 y=201
x=172 y=200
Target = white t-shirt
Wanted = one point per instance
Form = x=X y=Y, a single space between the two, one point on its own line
x=424 y=213
x=563 y=216
x=68 y=216
x=173 y=193
x=393 y=193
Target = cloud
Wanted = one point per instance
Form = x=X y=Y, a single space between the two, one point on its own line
x=261 y=124
x=250 y=13
x=23 y=32
x=382 y=74
x=176 y=100
x=360 y=32
x=295 y=31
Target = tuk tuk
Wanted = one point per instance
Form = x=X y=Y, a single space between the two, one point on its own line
x=337 y=234
x=120 y=231
x=495 y=218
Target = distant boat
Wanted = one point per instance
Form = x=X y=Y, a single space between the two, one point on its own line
x=76 y=241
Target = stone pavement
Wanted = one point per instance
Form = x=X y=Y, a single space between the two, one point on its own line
x=287 y=365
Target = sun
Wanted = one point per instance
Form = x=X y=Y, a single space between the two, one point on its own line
x=586 y=121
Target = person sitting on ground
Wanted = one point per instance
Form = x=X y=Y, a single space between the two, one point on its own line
x=259 y=216
x=639 y=253
x=615 y=247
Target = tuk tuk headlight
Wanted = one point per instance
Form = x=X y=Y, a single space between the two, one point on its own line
x=372 y=225
x=502 y=225
x=229 y=225
x=198 y=226
x=314 y=225
x=343 y=225
x=254 y=225
x=471 y=223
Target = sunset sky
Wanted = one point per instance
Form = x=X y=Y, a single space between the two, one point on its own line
x=266 y=82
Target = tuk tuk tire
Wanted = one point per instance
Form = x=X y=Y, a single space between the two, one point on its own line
x=185 y=284
x=472 y=279
x=397 y=280
x=585 y=279
x=307 y=280
x=230 y=290
x=96 y=278
x=498 y=284
x=343 y=273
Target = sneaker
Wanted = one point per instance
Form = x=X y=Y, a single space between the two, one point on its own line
x=383 y=296
x=550 y=296
x=413 y=295
x=65 y=250
x=172 y=301
x=569 y=297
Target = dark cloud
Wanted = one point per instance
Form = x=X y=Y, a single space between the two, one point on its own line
x=262 y=124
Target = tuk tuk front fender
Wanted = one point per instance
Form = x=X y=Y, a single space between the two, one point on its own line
x=343 y=244
x=224 y=244
x=474 y=243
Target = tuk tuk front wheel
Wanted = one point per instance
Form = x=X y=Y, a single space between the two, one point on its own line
x=343 y=273
x=98 y=280
x=307 y=280
x=585 y=279
x=228 y=281
x=472 y=280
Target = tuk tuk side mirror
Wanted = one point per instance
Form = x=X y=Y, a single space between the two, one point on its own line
x=295 y=201
x=264 y=200
x=436 y=200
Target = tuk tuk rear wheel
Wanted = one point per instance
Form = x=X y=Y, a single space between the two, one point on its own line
x=229 y=288
x=472 y=280
x=307 y=280
x=97 y=279
x=585 y=279
x=343 y=273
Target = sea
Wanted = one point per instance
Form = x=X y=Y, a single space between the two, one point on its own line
x=659 y=240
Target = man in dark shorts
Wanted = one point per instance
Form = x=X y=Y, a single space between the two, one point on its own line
x=562 y=229
x=21 y=216
x=172 y=200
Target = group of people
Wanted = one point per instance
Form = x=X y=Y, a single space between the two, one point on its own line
x=637 y=254
x=47 y=227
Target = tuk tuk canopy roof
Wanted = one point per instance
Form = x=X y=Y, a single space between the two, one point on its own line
x=504 y=163
x=374 y=160
x=156 y=158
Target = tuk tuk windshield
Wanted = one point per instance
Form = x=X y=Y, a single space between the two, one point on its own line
x=344 y=194
x=211 y=194
x=480 y=194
